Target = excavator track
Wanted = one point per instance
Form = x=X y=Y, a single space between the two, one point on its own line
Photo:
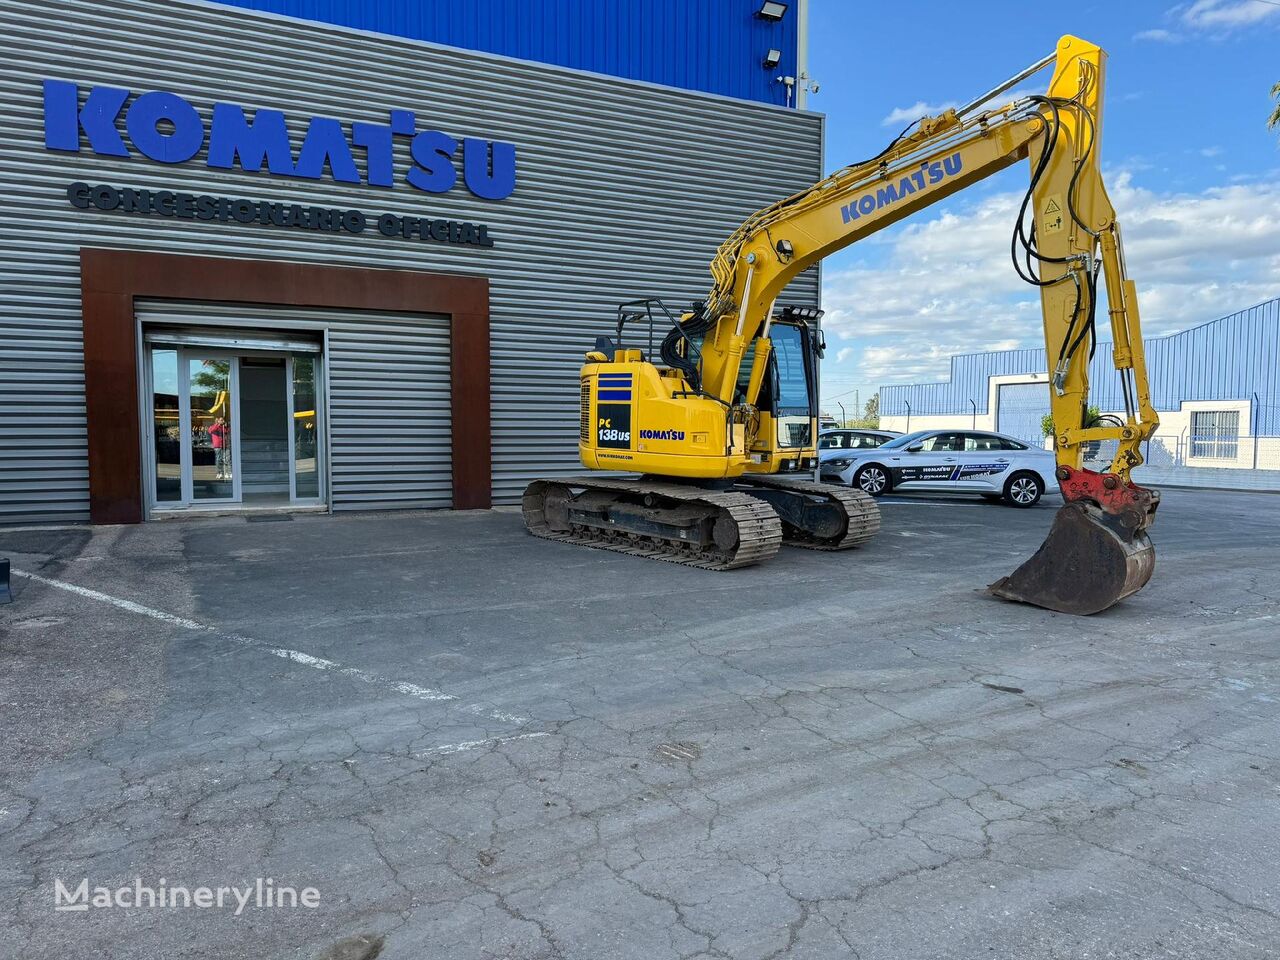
x=724 y=529
x=860 y=522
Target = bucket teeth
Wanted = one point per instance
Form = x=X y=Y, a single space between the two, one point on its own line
x=1089 y=561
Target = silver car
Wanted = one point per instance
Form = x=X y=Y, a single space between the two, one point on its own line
x=949 y=461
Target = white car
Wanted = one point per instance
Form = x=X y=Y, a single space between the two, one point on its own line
x=949 y=461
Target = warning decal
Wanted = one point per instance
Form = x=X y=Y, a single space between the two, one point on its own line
x=1051 y=222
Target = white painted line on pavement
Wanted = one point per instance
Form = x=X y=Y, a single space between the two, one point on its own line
x=465 y=745
x=293 y=656
x=114 y=601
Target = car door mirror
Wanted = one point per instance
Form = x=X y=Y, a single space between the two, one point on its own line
x=915 y=448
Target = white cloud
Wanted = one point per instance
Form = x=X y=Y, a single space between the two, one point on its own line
x=900 y=116
x=1211 y=152
x=1159 y=36
x=895 y=363
x=947 y=286
x=1226 y=14
x=1213 y=17
x=903 y=115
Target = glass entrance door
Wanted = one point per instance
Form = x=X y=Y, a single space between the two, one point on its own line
x=304 y=427
x=214 y=431
x=234 y=428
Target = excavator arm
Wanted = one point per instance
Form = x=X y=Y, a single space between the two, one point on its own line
x=1065 y=235
x=1073 y=234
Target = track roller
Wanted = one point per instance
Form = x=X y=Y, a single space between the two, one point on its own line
x=709 y=529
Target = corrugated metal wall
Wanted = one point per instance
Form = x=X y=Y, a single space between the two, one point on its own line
x=623 y=190
x=1230 y=358
x=389 y=404
x=713 y=45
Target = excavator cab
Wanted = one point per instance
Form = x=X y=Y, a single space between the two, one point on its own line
x=787 y=403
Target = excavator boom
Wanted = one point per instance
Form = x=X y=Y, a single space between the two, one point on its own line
x=733 y=401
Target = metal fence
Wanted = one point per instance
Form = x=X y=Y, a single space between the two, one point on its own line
x=1188 y=460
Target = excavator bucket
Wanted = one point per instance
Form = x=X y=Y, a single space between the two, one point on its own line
x=1090 y=560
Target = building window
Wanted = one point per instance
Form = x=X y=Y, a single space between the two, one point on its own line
x=1215 y=434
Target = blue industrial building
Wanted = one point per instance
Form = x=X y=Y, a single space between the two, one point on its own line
x=1210 y=383
x=716 y=46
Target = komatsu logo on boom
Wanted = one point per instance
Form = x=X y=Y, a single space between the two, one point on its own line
x=926 y=176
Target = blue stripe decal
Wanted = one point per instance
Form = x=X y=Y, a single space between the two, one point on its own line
x=614 y=395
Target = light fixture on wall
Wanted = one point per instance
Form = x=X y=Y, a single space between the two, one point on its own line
x=772 y=59
x=771 y=10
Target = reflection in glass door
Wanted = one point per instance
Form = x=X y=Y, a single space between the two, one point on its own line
x=166 y=426
x=213 y=429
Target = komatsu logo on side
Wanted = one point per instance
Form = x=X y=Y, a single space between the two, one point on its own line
x=661 y=434
x=885 y=196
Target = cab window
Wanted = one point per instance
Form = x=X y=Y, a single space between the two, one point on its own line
x=793 y=372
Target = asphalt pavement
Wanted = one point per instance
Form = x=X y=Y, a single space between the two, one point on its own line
x=471 y=743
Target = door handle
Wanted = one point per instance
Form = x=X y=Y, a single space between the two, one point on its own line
x=949 y=460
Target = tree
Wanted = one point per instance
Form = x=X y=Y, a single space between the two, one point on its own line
x=212 y=378
x=1274 y=120
x=1091 y=419
x=872 y=411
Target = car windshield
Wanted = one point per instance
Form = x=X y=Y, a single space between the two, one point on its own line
x=906 y=440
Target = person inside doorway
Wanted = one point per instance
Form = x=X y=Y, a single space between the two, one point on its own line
x=220 y=439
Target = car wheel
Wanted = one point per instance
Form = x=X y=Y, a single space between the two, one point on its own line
x=1023 y=490
x=872 y=479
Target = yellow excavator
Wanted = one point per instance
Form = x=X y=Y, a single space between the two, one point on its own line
x=717 y=411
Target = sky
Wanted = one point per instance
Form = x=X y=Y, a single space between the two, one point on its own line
x=1191 y=168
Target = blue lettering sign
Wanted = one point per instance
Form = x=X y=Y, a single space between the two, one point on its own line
x=166 y=128
x=143 y=123
x=231 y=135
x=492 y=179
x=432 y=153
x=64 y=118
x=325 y=143
x=377 y=143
